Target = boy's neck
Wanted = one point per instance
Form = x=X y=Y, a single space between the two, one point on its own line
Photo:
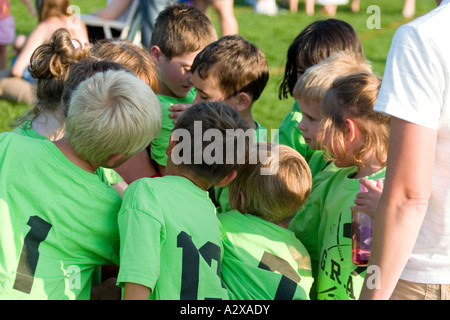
x=66 y=148
x=248 y=117
x=175 y=171
x=164 y=91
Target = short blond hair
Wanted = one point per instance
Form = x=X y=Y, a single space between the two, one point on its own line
x=312 y=85
x=276 y=196
x=112 y=113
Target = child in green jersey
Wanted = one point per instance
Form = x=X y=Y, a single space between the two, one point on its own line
x=139 y=61
x=356 y=138
x=234 y=71
x=309 y=91
x=59 y=221
x=171 y=246
x=180 y=32
x=315 y=43
x=262 y=259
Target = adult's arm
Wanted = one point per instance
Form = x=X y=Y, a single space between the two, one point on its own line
x=402 y=205
x=114 y=10
x=38 y=36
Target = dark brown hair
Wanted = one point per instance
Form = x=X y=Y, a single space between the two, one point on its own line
x=316 y=42
x=49 y=65
x=227 y=123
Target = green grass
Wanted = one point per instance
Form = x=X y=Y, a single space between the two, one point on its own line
x=273 y=35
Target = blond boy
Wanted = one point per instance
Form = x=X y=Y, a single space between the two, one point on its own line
x=59 y=221
x=262 y=259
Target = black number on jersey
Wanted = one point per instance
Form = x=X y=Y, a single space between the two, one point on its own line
x=289 y=277
x=30 y=254
x=190 y=264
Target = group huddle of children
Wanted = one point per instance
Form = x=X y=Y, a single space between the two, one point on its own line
x=90 y=177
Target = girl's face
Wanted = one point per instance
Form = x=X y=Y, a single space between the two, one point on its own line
x=310 y=123
x=300 y=69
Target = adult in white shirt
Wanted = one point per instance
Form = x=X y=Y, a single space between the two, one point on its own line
x=410 y=256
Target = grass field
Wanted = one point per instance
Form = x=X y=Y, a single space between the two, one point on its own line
x=273 y=35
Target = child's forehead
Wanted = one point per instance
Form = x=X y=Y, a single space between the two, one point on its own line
x=210 y=81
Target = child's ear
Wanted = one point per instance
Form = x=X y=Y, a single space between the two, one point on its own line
x=244 y=101
x=156 y=53
x=172 y=144
x=227 y=179
x=352 y=130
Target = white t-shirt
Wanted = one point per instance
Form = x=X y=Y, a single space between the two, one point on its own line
x=416 y=88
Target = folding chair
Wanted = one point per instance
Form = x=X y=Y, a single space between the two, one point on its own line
x=130 y=28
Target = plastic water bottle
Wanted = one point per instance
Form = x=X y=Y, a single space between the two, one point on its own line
x=362 y=226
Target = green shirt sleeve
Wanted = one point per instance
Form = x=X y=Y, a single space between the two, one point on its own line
x=161 y=142
x=290 y=135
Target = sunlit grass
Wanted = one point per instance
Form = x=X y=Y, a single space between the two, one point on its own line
x=273 y=35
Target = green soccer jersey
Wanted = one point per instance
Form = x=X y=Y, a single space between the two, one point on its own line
x=338 y=278
x=170 y=240
x=221 y=193
x=58 y=222
x=263 y=261
x=25 y=129
x=161 y=142
x=290 y=135
x=107 y=175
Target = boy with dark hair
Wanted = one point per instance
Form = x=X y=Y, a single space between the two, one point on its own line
x=236 y=72
x=168 y=245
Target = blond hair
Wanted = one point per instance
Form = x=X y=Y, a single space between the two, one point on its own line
x=181 y=29
x=237 y=64
x=112 y=113
x=353 y=96
x=273 y=197
x=131 y=56
x=312 y=85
